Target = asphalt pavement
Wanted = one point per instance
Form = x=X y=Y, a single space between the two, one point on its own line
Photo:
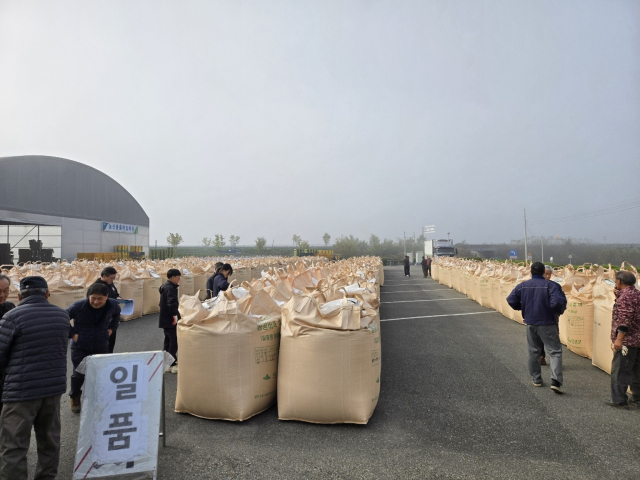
x=456 y=401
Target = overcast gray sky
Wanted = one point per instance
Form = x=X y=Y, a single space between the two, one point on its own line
x=269 y=118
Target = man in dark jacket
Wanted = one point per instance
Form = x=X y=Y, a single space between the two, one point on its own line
x=33 y=354
x=541 y=303
x=423 y=263
x=220 y=280
x=107 y=277
x=94 y=319
x=169 y=315
x=407 y=266
x=217 y=267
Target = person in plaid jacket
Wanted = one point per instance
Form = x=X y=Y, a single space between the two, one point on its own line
x=625 y=338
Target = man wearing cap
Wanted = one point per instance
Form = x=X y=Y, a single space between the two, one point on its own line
x=33 y=354
x=541 y=304
x=625 y=338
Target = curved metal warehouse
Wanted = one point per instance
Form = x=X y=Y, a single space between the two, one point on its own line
x=93 y=211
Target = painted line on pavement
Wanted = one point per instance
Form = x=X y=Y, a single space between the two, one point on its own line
x=434 y=316
x=430 y=300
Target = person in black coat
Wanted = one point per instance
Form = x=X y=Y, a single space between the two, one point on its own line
x=94 y=319
x=220 y=280
x=169 y=314
x=33 y=354
x=107 y=277
x=407 y=266
x=217 y=267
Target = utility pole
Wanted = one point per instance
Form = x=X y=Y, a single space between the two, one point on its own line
x=526 y=256
x=404 y=242
x=542 y=247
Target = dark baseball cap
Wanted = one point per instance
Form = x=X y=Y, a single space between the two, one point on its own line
x=33 y=282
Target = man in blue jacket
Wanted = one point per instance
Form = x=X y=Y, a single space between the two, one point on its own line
x=541 y=302
x=94 y=319
x=33 y=354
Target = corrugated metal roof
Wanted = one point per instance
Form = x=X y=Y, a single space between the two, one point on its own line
x=60 y=187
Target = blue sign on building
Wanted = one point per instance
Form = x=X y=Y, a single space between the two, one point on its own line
x=513 y=254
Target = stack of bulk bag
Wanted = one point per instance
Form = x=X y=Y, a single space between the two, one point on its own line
x=435 y=271
x=329 y=369
x=603 y=300
x=228 y=356
x=496 y=301
x=131 y=288
x=63 y=292
x=567 y=278
x=507 y=284
x=151 y=283
x=486 y=281
x=579 y=315
x=200 y=278
x=187 y=283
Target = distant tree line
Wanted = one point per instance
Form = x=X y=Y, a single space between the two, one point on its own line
x=581 y=251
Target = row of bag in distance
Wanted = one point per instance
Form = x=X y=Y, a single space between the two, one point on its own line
x=585 y=326
x=138 y=280
x=306 y=336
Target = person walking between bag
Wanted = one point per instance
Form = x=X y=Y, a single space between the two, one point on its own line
x=625 y=338
x=541 y=303
x=33 y=354
x=169 y=315
x=548 y=273
x=210 y=280
x=407 y=266
x=95 y=319
x=107 y=277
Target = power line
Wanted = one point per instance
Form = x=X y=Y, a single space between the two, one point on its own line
x=592 y=213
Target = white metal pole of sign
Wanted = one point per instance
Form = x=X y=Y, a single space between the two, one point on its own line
x=120 y=420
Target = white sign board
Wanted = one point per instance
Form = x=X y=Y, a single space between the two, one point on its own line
x=120 y=420
x=428 y=229
x=119 y=227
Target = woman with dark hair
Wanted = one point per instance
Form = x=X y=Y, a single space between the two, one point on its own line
x=220 y=282
x=217 y=268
